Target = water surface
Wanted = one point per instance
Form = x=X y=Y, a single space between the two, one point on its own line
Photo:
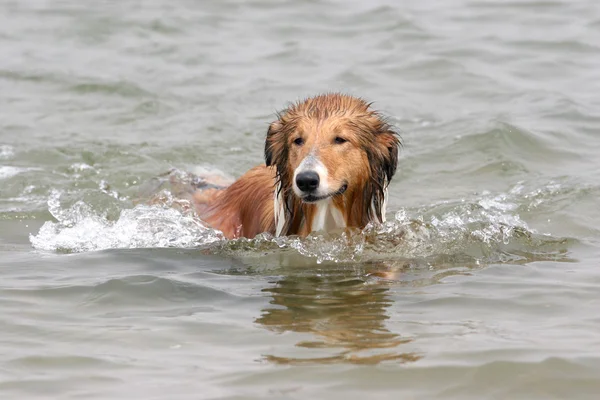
x=482 y=284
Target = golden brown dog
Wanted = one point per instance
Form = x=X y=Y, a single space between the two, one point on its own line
x=329 y=160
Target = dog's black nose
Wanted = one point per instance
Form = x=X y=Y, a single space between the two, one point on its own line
x=307 y=181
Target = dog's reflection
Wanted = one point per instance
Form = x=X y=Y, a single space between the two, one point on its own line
x=345 y=314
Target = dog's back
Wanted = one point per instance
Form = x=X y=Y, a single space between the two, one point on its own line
x=243 y=209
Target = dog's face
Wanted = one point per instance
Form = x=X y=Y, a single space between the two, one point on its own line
x=325 y=158
x=331 y=145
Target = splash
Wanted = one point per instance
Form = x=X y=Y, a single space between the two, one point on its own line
x=487 y=228
x=79 y=228
x=484 y=229
x=8 y=171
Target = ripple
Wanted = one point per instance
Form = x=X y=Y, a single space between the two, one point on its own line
x=125 y=89
x=64 y=362
x=507 y=140
x=566 y=46
x=9 y=172
x=57 y=386
x=6 y=152
x=146 y=290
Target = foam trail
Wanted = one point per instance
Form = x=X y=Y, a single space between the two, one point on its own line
x=481 y=229
x=80 y=229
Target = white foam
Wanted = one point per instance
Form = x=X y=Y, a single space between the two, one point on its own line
x=7 y=171
x=476 y=226
x=465 y=226
x=81 y=167
x=80 y=229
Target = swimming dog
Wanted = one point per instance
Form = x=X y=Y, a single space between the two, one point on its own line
x=328 y=162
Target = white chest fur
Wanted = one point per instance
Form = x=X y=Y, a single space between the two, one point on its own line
x=327 y=217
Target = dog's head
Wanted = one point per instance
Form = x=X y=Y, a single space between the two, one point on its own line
x=330 y=146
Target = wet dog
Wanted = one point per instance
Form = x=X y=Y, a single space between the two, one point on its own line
x=329 y=160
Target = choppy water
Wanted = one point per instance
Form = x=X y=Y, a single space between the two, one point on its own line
x=492 y=239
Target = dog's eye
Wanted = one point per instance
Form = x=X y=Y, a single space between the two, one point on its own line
x=299 y=141
x=339 y=140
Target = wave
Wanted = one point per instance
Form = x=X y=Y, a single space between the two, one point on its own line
x=486 y=229
x=79 y=228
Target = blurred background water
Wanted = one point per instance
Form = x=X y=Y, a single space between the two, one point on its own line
x=492 y=239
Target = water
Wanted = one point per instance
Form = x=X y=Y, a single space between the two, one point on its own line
x=482 y=284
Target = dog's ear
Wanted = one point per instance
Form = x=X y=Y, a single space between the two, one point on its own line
x=388 y=143
x=383 y=158
x=276 y=153
x=274 y=144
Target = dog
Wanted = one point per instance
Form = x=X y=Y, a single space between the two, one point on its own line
x=328 y=162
